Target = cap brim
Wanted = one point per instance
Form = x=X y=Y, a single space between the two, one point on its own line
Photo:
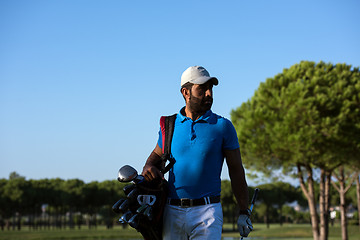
x=202 y=80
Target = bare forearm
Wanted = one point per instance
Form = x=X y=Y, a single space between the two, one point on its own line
x=239 y=187
x=237 y=177
x=153 y=165
x=153 y=160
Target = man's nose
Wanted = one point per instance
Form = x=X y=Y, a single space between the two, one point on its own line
x=208 y=93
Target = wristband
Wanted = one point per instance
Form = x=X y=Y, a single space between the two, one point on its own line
x=245 y=212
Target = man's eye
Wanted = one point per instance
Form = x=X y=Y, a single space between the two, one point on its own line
x=201 y=90
x=205 y=88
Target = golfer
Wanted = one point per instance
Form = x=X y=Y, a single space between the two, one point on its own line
x=201 y=141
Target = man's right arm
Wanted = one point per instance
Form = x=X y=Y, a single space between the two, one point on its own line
x=150 y=170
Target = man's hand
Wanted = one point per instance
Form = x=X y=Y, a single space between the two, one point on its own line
x=151 y=172
x=244 y=225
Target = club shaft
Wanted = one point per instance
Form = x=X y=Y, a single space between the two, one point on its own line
x=252 y=203
x=254 y=199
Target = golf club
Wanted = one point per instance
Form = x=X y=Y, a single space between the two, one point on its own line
x=148 y=213
x=252 y=204
x=128 y=173
x=134 y=221
x=133 y=194
x=142 y=208
x=128 y=188
x=126 y=217
x=124 y=206
x=254 y=199
x=116 y=206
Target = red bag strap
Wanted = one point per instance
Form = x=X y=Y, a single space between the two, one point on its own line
x=167 y=125
x=163 y=131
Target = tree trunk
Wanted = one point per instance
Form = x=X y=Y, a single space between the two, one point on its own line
x=63 y=218
x=342 y=189
x=267 y=221
x=310 y=196
x=7 y=224
x=324 y=203
x=71 y=219
x=234 y=217
x=95 y=221
x=19 y=222
x=358 y=195
x=344 y=233
x=2 y=223
x=88 y=222
x=80 y=221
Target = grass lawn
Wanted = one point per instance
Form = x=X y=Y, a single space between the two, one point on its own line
x=84 y=233
x=291 y=231
x=286 y=232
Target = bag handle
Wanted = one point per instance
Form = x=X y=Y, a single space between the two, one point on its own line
x=167 y=124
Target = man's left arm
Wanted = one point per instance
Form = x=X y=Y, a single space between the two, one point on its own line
x=237 y=177
x=240 y=189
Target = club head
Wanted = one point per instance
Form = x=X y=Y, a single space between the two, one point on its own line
x=126 y=217
x=134 y=221
x=127 y=189
x=116 y=206
x=127 y=174
x=142 y=209
x=148 y=213
x=133 y=194
x=124 y=206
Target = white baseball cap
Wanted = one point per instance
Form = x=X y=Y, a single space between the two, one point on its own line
x=197 y=75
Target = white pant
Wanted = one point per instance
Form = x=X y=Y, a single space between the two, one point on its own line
x=200 y=222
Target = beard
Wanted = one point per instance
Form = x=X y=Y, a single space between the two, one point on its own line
x=200 y=106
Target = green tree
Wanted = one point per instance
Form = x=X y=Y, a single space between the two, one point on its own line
x=285 y=194
x=228 y=201
x=5 y=205
x=269 y=199
x=18 y=192
x=60 y=199
x=275 y=196
x=304 y=119
x=15 y=175
x=289 y=214
x=111 y=192
x=72 y=197
x=58 y=196
x=44 y=195
x=92 y=201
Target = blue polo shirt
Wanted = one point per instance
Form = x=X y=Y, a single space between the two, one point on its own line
x=197 y=147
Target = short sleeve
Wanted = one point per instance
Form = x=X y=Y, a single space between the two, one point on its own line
x=231 y=141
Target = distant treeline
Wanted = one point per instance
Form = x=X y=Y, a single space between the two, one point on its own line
x=58 y=203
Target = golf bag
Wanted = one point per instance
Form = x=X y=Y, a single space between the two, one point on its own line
x=144 y=205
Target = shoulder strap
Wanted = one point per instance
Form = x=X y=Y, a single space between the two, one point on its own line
x=167 y=124
x=169 y=131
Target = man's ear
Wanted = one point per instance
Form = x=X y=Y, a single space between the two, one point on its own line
x=186 y=93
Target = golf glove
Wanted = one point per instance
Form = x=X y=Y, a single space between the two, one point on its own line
x=244 y=225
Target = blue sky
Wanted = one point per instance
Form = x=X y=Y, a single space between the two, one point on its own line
x=84 y=83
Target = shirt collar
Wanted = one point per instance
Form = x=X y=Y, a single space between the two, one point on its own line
x=206 y=117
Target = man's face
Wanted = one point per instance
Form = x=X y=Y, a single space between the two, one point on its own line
x=201 y=97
